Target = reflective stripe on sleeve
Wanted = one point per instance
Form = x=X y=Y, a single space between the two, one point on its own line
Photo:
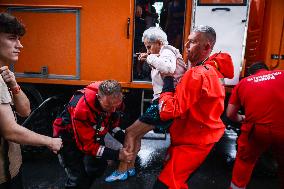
x=100 y=151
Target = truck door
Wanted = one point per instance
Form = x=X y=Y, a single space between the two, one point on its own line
x=229 y=19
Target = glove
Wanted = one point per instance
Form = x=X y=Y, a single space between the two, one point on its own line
x=168 y=84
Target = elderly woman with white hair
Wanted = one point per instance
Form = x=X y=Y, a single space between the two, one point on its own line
x=164 y=60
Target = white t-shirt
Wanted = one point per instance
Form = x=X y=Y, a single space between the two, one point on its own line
x=14 y=152
x=5 y=97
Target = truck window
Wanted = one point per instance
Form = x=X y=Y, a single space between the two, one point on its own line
x=229 y=22
x=167 y=14
x=221 y=2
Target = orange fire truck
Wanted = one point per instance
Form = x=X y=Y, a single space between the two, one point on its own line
x=71 y=43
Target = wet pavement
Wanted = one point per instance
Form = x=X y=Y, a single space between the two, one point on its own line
x=42 y=171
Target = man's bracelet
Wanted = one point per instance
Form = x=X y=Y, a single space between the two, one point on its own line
x=15 y=90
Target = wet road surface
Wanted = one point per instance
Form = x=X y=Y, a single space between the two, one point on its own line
x=42 y=171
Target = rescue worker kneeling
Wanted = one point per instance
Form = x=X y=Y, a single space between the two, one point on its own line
x=260 y=95
x=90 y=114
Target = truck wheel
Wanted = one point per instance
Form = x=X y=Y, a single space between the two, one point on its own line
x=35 y=100
x=33 y=95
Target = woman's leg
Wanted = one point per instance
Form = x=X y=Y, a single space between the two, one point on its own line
x=132 y=142
x=131 y=165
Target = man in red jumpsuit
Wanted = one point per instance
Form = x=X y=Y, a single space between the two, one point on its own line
x=86 y=119
x=261 y=96
x=196 y=106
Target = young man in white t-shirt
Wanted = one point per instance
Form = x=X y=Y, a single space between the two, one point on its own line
x=12 y=134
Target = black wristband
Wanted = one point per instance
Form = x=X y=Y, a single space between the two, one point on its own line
x=110 y=154
x=168 y=84
x=119 y=136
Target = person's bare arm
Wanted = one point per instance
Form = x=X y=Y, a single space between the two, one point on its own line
x=21 y=102
x=11 y=131
x=232 y=113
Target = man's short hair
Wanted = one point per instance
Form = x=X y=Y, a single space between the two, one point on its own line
x=257 y=66
x=110 y=87
x=10 y=24
x=209 y=32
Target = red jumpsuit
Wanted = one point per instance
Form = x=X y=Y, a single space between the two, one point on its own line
x=196 y=107
x=262 y=97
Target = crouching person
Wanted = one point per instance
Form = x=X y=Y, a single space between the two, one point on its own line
x=90 y=114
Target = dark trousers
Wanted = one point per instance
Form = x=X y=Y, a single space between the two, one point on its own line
x=14 y=183
x=81 y=169
x=159 y=185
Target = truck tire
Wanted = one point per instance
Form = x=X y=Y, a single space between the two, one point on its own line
x=33 y=95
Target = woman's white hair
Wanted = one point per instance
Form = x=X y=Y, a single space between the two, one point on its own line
x=154 y=34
